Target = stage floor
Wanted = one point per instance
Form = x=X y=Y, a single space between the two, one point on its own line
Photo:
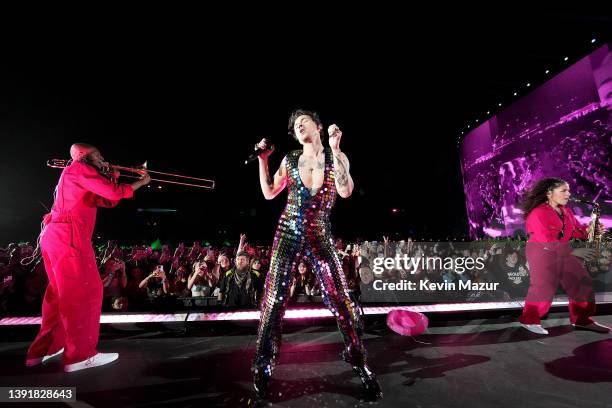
x=459 y=363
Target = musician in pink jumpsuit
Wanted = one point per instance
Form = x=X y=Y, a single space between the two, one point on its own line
x=552 y=261
x=73 y=299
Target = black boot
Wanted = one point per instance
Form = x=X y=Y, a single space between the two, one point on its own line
x=261 y=380
x=369 y=382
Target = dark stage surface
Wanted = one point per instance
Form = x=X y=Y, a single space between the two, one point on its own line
x=462 y=363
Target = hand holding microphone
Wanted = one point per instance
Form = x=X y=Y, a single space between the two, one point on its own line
x=263 y=149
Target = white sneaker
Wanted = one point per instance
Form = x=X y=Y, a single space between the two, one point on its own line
x=31 y=362
x=594 y=326
x=95 y=361
x=535 y=328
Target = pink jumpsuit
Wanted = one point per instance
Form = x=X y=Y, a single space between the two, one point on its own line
x=73 y=299
x=551 y=262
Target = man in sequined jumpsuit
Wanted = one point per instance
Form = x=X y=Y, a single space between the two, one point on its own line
x=312 y=176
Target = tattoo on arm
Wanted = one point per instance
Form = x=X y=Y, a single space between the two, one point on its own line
x=270 y=179
x=340 y=170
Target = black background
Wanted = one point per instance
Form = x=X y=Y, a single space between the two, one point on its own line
x=192 y=97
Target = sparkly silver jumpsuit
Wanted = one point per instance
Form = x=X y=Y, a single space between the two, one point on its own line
x=304 y=231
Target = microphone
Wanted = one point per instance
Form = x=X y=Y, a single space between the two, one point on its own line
x=253 y=156
x=580 y=200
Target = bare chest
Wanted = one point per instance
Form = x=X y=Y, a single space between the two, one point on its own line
x=312 y=171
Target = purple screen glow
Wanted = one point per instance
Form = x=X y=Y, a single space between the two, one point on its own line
x=561 y=129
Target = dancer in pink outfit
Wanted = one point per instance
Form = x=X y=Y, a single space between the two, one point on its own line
x=73 y=300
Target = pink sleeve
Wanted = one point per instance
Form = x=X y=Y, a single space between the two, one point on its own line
x=579 y=230
x=88 y=178
x=105 y=202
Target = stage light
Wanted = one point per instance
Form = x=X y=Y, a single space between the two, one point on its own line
x=488 y=112
x=515 y=94
x=547 y=71
x=528 y=84
x=499 y=104
x=313 y=312
x=593 y=40
x=394 y=210
x=565 y=59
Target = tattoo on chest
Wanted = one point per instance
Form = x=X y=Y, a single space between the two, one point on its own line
x=310 y=165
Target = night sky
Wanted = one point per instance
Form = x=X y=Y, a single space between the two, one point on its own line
x=192 y=99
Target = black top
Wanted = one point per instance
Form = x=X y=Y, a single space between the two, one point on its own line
x=239 y=292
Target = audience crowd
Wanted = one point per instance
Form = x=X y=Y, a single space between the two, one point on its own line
x=161 y=277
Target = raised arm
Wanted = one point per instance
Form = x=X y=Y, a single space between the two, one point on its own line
x=110 y=192
x=192 y=279
x=344 y=181
x=242 y=243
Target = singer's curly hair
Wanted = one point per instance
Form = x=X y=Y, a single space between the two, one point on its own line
x=537 y=194
x=299 y=112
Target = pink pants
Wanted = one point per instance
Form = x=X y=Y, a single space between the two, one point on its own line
x=548 y=268
x=73 y=300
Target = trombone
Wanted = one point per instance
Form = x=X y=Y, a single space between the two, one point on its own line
x=195 y=181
